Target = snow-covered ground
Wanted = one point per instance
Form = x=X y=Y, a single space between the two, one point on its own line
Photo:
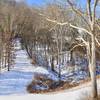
x=72 y=94
x=14 y=82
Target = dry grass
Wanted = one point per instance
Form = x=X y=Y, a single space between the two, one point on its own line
x=33 y=61
x=52 y=85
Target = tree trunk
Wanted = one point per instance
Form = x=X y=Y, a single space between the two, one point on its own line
x=52 y=63
x=93 y=72
x=8 y=56
x=89 y=58
x=92 y=67
x=71 y=55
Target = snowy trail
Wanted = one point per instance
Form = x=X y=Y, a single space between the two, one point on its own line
x=72 y=94
x=16 y=80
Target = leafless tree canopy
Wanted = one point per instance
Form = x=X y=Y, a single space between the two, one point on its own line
x=51 y=31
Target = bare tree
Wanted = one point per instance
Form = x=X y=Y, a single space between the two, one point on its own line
x=90 y=20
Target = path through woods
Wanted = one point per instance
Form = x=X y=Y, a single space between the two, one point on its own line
x=16 y=80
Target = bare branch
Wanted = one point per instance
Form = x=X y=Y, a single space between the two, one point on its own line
x=78 y=12
x=89 y=10
x=97 y=24
x=53 y=27
x=80 y=38
x=94 y=10
x=80 y=28
x=97 y=41
x=78 y=45
x=66 y=23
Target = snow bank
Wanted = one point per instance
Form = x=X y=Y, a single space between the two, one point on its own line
x=41 y=70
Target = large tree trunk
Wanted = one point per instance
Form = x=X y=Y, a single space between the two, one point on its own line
x=89 y=58
x=92 y=67
x=93 y=72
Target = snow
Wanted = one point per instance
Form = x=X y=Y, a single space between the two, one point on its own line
x=41 y=70
x=40 y=87
x=21 y=75
x=72 y=94
x=14 y=82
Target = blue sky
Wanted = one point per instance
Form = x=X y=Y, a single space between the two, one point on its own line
x=81 y=3
x=42 y=2
x=36 y=2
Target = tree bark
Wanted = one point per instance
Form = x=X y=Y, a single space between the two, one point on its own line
x=52 y=63
x=93 y=72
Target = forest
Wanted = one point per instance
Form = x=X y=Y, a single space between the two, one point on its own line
x=50 y=48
